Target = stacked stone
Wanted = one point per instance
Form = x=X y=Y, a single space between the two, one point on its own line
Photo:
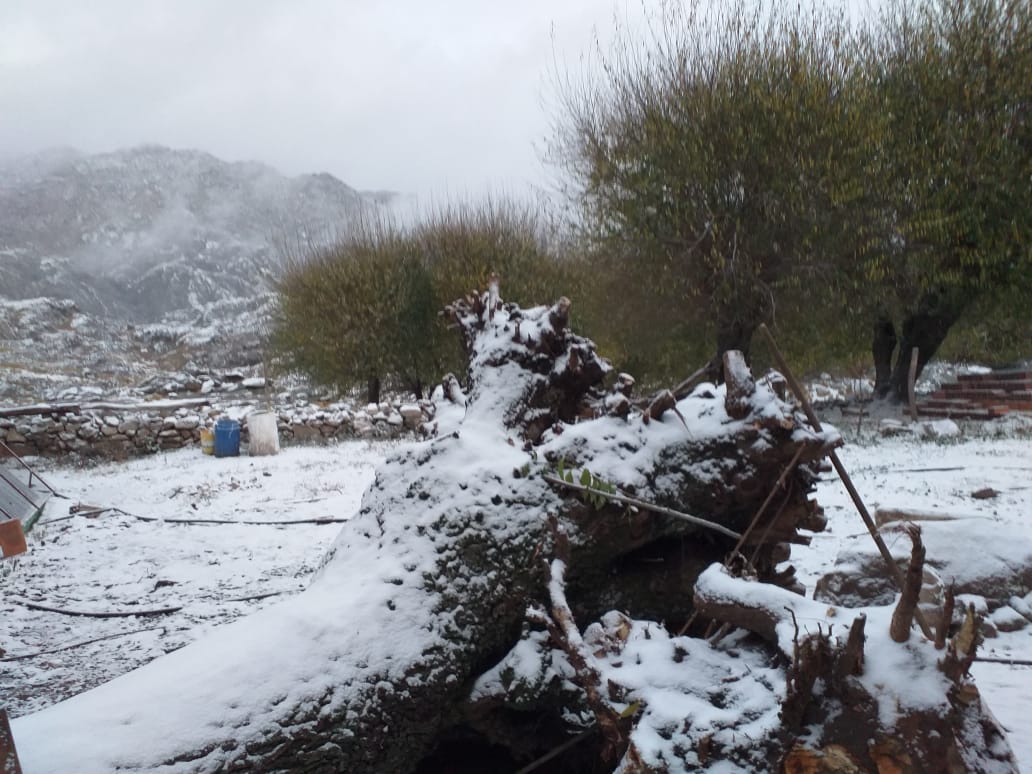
x=119 y=435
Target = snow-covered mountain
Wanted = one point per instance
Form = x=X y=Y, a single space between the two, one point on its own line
x=143 y=233
x=127 y=256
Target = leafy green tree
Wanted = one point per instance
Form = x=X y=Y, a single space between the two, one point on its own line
x=462 y=243
x=367 y=309
x=955 y=77
x=358 y=312
x=719 y=161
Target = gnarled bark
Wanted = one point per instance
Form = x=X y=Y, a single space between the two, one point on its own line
x=428 y=587
x=866 y=724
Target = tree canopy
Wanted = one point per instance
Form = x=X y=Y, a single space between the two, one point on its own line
x=754 y=163
x=721 y=161
x=953 y=78
x=737 y=164
x=366 y=310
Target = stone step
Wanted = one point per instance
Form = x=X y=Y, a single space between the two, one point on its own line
x=992 y=412
x=934 y=402
x=1002 y=385
x=1013 y=375
x=981 y=396
x=1018 y=405
x=975 y=392
x=961 y=403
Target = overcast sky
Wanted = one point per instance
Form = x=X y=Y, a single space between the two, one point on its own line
x=433 y=97
x=417 y=96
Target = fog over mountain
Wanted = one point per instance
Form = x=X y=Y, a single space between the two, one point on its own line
x=149 y=232
x=116 y=269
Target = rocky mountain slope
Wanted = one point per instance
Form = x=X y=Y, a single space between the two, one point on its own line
x=120 y=259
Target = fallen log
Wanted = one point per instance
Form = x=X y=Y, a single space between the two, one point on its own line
x=39 y=409
x=386 y=662
x=44 y=409
x=884 y=705
x=883 y=516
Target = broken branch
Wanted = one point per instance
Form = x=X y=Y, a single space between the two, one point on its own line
x=97 y=614
x=22 y=656
x=903 y=615
x=646 y=505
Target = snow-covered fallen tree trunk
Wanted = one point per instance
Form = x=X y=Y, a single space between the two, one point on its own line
x=405 y=649
x=857 y=698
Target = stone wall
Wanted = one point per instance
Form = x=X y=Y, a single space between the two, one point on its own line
x=120 y=433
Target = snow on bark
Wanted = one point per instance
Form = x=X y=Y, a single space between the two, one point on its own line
x=428 y=586
x=358 y=672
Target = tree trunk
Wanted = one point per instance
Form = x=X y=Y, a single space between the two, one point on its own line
x=925 y=328
x=369 y=669
x=882 y=347
x=396 y=658
x=373 y=390
x=949 y=732
x=734 y=332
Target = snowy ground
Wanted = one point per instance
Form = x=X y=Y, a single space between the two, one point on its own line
x=940 y=476
x=115 y=562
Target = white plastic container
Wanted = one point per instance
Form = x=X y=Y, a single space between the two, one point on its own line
x=262 y=433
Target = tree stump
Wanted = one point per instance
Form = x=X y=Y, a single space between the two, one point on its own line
x=439 y=634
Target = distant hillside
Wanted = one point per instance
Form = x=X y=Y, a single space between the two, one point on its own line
x=150 y=233
x=118 y=267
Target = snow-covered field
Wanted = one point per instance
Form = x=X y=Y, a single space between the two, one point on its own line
x=112 y=561
x=940 y=476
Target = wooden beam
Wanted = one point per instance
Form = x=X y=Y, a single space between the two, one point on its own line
x=8 y=755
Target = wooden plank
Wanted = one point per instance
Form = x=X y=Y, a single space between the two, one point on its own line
x=8 y=755
x=911 y=376
x=12 y=538
x=41 y=409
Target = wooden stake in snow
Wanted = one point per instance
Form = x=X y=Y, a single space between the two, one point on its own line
x=883 y=549
x=903 y=615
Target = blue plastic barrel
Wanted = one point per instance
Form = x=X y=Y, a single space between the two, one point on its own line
x=227 y=438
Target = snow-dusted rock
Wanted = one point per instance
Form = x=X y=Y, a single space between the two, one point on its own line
x=1006 y=619
x=997 y=566
x=411 y=414
x=938 y=428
